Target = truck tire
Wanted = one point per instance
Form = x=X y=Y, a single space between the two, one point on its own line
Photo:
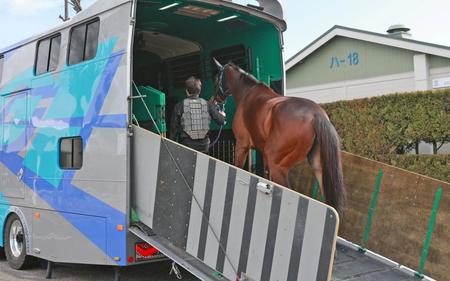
x=15 y=243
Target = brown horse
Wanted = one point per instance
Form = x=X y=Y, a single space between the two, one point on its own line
x=285 y=129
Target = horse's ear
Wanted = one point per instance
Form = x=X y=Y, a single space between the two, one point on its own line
x=219 y=66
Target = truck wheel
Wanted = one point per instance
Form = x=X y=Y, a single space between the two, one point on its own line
x=15 y=243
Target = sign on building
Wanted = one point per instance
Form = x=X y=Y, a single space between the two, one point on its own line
x=441 y=82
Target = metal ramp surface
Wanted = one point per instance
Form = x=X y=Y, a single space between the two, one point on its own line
x=349 y=263
x=222 y=223
x=353 y=265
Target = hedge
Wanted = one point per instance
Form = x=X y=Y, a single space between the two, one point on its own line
x=435 y=166
x=393 y=124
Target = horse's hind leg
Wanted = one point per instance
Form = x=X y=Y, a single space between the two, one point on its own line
x=315 y=163
x=279 y=175
x=276 y=162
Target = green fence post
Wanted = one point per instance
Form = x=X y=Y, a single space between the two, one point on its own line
x=315 y=189
x=426 y=245
x=315 y=192
x=321 y=198
x=362 y=248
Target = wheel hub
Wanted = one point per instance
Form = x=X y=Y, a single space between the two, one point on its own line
x=16 y=237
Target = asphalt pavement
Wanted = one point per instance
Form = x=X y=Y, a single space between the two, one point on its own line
x=158 y=271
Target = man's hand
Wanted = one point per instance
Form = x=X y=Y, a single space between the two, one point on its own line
x=217 y=112
x=220 y=106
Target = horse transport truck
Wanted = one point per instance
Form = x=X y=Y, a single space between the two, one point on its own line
x=87 y=176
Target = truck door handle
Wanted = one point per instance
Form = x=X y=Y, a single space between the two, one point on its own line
x=20 y=174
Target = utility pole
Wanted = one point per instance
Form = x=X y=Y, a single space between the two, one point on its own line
x=66 y=11
x=76 y=5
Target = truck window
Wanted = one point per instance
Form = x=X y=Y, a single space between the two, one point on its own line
x=71 y=153
x=184 y=67
x=47 y=54
x=238 y=54
x=83 y=42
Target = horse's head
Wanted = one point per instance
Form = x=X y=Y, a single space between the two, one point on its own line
x=227 y=77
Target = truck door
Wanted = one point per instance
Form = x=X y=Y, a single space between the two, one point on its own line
x=13 y=143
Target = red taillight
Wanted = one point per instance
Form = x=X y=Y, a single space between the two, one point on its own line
x=130 y=259
x=146 y=250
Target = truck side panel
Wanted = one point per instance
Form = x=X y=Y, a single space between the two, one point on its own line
x=70 y=212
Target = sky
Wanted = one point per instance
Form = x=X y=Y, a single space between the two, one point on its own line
x=429 y=20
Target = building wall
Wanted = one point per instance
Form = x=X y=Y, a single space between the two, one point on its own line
x=361 y=88
x=346 y=69
x=355 y=89
x=439 y=62
x=349 y=59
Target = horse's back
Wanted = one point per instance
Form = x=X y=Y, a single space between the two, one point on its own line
x=292 y=108
x=267 y=99
x=263 y=114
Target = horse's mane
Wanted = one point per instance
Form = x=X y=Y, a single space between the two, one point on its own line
x=246 y=78
x=249 y=81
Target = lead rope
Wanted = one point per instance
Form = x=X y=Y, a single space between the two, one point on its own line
x=219 y=106
x=217 y=138
x=187 y=184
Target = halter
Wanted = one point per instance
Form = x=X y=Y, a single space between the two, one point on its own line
x=223 y=94
x=224 y=91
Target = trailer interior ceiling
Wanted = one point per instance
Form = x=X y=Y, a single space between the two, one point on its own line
x=175 y=40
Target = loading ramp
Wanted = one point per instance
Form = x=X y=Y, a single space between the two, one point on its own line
x=349 y=263
x=219 y=222
x=223 y=223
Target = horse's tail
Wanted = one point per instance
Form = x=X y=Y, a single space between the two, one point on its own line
x=330 y=155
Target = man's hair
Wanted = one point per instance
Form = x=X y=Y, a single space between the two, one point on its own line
x=193 y=86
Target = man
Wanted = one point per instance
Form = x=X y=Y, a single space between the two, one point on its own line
x=191 y=118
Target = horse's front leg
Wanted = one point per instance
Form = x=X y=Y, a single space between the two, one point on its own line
x=241 y=153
